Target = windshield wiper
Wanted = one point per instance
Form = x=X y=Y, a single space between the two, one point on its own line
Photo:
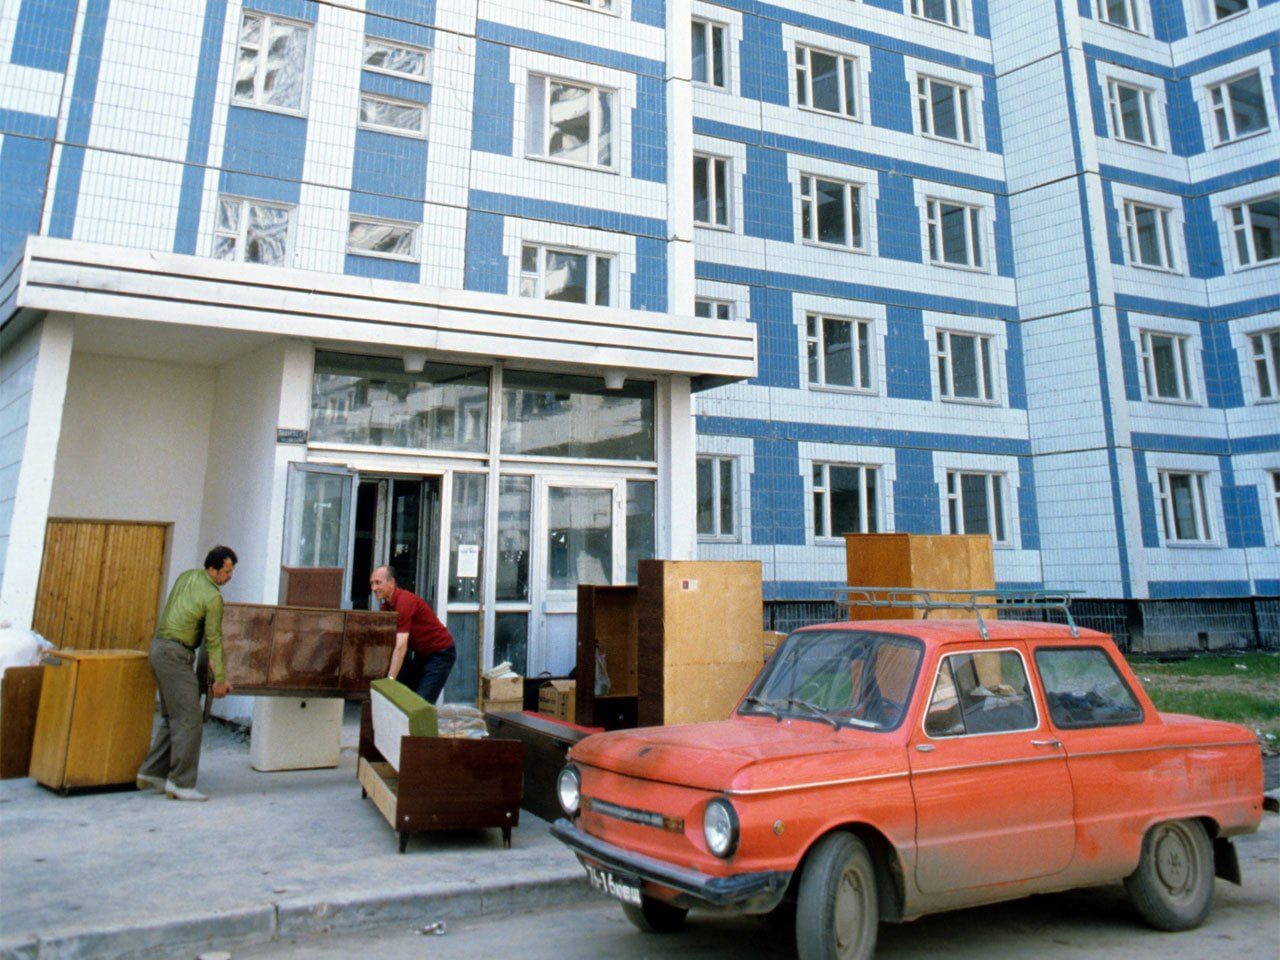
x=813 y=708
x=770 y=707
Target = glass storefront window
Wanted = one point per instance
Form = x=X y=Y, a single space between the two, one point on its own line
x=579 y=537
x=511 y=640
x=640 y=533
x=464 y=679
x=373 y=401
x=550 y=415
x=466 y=537
x=514 y=497
x=318 y=517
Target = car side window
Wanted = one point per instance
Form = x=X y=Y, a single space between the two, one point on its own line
x=1084 y=689
x=983 y=692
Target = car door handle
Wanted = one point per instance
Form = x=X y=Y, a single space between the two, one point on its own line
x=1056 y=744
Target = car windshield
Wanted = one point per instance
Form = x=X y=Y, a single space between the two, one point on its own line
x=842 y=677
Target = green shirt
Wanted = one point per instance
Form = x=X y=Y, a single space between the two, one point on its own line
x=195 y=607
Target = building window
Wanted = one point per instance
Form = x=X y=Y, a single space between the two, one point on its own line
x=1165 y=367
x=392 y=116
x=572 y=276
x=1275 y=500
x=271 y=71
x=944 y=110
x=713 y=309
x=1132 y=114
x=1256 y=228
x=393 y=57
x=939 y=11
x=975 y=504
x=839 y=352
x=955 y=234
x=708 y=54
x=831 y=212
x=1239 y=107
x=1120 y=13
x=1185 y=507
x=570 y=122
x=827 y=82
x=715 y=498
x=382 y=238
x=710 y=191
x=1149 y=237
x=1266 y=362
x=964 y=366
x=844 y=500
x=1215 y=11
x=605 y=6
x=252 y=231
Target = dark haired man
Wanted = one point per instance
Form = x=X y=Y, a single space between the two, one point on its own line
x=192 y=614
x=424 y=653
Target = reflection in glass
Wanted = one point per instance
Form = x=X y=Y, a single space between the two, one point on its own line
x=511 y=640
x=513 y=538
x=563 y=416
x=641 y=539
x=467 y=528
x=579 y=537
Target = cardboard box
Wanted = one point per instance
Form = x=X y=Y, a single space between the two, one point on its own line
x=502 y=706
x=556 y=699
x=502 y=688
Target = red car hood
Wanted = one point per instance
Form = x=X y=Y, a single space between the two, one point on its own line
x=744 y=754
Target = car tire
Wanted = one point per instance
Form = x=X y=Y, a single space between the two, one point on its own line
x=1173 y=885
x=655 y=916
x=837 y=908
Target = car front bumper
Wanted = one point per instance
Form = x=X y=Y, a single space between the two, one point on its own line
x=742 y=893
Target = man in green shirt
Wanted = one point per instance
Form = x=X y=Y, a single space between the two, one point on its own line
x=193 y=613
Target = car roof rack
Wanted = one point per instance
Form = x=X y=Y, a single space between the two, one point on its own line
x=973 y=601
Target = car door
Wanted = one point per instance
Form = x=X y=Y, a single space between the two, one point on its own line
x=992 y=791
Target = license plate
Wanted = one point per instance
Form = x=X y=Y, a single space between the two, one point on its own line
x=626 y=889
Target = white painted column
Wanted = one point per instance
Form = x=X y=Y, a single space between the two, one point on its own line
x=678 y=538
x=33 y=391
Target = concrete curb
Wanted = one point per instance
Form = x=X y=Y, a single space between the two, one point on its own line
x=415 y=904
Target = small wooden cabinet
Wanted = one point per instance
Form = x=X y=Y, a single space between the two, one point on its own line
x=93 y=728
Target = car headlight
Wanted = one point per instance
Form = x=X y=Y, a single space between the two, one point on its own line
x=720 y=827
x=569 y=790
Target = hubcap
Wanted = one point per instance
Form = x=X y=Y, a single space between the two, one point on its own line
x=1173 y=861
x=850 y=913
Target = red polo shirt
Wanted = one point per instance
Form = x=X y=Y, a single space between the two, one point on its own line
x=426 y=633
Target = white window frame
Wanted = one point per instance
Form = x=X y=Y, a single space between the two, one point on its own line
x=996 y=490
x=955 y=15
x=1207 y=13
x=1147 y=113
x=371 y=40
x=984 y=348
x=715 y=37
x=1164 y=234
x=1180 y=346
x=1275 y=501
x=867 y=500
x=599 y=6
x=847 y=75
x=925 y=119
x=719 y=176
x=974 y=234
x=1240 y=223
x=1222 y=114
x=711 y=308
x=1198 y=490
x=1264 y=350
x=1131 y=14
x=258 y=101
x=852 y=195
x=538 y=278
x=720 y=464
x=537 y=140
x=861 y=352
x=412 y=229
x=420 y=108
x=241 y=234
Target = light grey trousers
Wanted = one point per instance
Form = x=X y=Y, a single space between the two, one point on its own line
x=175 y=753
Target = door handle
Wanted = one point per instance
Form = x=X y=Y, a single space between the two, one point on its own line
x=1056 y=744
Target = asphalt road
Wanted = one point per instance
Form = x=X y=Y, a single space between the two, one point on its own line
x=1244 y=923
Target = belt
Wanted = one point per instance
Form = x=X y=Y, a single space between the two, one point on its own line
x=178 y=642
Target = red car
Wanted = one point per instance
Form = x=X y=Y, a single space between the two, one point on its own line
x=884 y=770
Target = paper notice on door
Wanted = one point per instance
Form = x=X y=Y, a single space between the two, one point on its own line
x=468 y=561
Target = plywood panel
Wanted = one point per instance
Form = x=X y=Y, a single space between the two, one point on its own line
x=921 y=561
x=19 y=703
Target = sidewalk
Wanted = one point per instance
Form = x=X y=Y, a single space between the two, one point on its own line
x=271 y=855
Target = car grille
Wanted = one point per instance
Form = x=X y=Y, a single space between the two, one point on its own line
x=646 y=818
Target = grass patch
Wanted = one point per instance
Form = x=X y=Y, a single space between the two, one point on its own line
x=1243 y=688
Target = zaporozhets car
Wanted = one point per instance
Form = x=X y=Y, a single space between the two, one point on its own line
x=878 y=771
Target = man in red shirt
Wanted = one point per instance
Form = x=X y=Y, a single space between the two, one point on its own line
x=424 y=653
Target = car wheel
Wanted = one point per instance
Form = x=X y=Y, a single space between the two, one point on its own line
x=655 y=916
x=837 y=910
x=1173 y=885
